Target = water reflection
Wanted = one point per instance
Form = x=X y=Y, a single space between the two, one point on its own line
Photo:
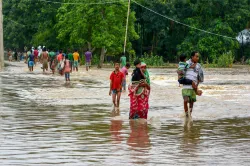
x=116 y=126
x=46 y=122
x=139 y=141
x=190 y=138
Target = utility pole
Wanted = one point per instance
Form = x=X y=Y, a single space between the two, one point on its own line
x=126 y=32
x=1 y=38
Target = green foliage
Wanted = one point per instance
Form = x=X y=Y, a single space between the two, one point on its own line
x=226 y=60
x=152 y=60
x=94 y=61
x=56 y=25
x=102 y=26
x=248 y=61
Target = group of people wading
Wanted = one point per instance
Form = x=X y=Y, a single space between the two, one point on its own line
x=190 y=74
x=64 y=63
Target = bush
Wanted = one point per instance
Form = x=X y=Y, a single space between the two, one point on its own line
x=248 y=61
x=152 y=60
x=226 y=60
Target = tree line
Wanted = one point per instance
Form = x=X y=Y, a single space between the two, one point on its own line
x=100 y=26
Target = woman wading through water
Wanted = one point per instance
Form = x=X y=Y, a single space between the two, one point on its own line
x=139 y=91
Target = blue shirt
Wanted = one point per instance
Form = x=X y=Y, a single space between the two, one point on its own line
x=31 y=57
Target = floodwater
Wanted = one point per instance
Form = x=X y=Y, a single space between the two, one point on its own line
x=47 y=122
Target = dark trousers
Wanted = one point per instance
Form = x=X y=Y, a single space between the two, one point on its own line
x=185 y=81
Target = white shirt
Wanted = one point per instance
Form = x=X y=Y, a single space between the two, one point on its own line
x=192 y=74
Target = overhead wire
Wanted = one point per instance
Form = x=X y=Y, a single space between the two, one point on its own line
x=166 y=17
x=178 y=22
x=82 y=3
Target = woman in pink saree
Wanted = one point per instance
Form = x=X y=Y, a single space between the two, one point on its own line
x=139 y=91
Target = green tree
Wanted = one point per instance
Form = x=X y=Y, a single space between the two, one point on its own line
x=96 y=26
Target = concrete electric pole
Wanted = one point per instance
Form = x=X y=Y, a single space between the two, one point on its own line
x=1 y=38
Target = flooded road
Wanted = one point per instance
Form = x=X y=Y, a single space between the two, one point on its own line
x=47 y=122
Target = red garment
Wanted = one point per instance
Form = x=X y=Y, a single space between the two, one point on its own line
x=59 y=57
x=116 y=79
x=67 y=67
x=36 y=53
x=139 y=106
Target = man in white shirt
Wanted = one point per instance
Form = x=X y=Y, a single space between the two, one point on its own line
x=188 y=93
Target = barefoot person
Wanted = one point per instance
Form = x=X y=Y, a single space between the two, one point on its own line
x=76 y=57
x=88 y=57
x=44 y=59
x=10 y=55
x=31 y=61
x=116 y=79
x=188 y=93
x=67 y=68
x=139 y=93
x=124 y=70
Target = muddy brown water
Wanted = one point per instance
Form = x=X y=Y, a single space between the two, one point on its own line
x=47 y=122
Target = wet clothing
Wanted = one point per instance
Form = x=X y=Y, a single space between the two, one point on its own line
x=182 y=68
x=116 y=79
x=67 y=67
x=190 y=93
x=45 y=57
x=139 y=97
x=123 y=61
x=70 y=57
x=185 y=81
x=53 y=65
x=192 y=74
x=76 y=63
x=76 y=56
x=36 y=54
x=137 y=75
x=124 y=70
x=31 y=57
x=147 y=77
x=52 y=55
x=67 y=76
x=31 y=63
x=10 y=55
x=60 y=57
x=115 y=91
x=87 y=64
x=88 y=56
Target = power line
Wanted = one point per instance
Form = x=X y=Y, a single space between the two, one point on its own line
x=83 y=3
x=183 y=23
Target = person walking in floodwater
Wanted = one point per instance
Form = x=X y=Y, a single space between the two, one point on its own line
x=52 y=60
x=71 y=59
x=123 y=61
x=76 y=57
x=139 y=91
x=88 y=57
x=124 y=70
x=60 y=65
x=31 y=61
x=67 y=68
x=188 y=93
x=10 y=55
x=45 y=60
x=116 y=79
